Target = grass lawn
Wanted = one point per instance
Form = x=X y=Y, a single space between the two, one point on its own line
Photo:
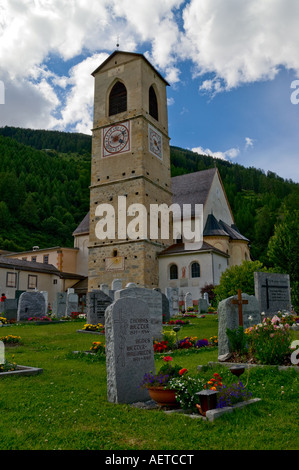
x=66 y=407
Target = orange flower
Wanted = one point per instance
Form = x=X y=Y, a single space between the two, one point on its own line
x=183 y=371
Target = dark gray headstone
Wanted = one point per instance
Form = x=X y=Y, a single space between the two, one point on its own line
x=97 y=302
x=31 y=304
x=11 y=309
x=153 y=299
x=273 y=292
x=129 y=350
x=228 y=317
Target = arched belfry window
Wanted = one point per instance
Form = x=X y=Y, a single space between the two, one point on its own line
x=173 y=272
x=153 y=104
x=118 y=99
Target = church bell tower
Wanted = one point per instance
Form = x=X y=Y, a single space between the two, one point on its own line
x=130 y=168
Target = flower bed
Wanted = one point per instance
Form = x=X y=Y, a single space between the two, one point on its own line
x=99 y=328
x=268 y=343
x=169 y=343
x=10 y=339
x=186 y=387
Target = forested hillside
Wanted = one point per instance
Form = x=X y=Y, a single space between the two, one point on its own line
x=43 y=194
x=44 y=190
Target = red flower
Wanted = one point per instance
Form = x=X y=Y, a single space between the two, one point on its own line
x=183 y=371
x=167 y=358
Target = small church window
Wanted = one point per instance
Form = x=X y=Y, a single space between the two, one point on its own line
x=195 y=270
x=153 y=104
x=118 y=99
x=173 y=271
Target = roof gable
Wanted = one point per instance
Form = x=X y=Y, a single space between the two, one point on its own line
x=128 y=56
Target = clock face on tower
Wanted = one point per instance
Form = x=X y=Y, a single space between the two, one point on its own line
x=155 y=142
x=116 y=139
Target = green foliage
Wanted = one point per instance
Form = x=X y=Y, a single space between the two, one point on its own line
x=238 y=340
x=270 y=341
x=283 y=249
x=238 y=277
x=43 y=195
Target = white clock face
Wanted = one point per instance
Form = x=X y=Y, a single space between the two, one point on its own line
x=116 y=139
x=155 y=142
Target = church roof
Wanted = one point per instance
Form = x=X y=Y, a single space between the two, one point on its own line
x=213 y=227
x=192 y=188
x=221 y=229
x=83 y=227
x=180 y=248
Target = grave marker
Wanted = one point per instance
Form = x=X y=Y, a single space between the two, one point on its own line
x=188 y=301
x=239 y=301
x=172 y=293
x=72 y=302
x=59 y=306
x=31 y=304
x=228 y=317
x=97 y=302
x=273 y=292
x=129 y=349
x=154 y=301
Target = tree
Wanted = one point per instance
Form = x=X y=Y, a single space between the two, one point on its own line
x=283 y=250
x=238 y=277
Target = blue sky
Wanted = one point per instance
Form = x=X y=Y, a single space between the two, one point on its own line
x=230 y=64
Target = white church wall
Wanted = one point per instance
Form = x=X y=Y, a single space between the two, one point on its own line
x=211 y=266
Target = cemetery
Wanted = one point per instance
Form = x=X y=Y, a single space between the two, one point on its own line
x=105 y=396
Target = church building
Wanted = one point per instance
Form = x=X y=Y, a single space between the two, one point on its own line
x=131 y=159
x=130 y=175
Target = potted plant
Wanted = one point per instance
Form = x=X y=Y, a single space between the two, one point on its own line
x=158 y=384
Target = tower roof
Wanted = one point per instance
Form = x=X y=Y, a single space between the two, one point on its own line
x=133 y=55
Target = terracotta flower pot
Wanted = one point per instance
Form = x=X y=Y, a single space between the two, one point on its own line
x=163 y=397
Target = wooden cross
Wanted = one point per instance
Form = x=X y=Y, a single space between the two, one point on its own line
x=240 y=302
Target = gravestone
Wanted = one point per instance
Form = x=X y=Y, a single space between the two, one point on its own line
x=154 y=301
x=129 y=350
x=59 y=305
x=97 y=302
x=172 y=293
x=11 y=309
x=46 y=295
x=1 y=307
x=72 y=302
x=116 y=284
x=273 y=292
x=206 y=297
x=165 y=308
x=228 y=317
x=202 y=305
x=188 y=301
x=31 y=304
x=104 y=288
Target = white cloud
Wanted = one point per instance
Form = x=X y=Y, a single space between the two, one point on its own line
x=78 y=108
x=240 y=41
x=248 y=142
x=228 y=154
x=235 y=42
